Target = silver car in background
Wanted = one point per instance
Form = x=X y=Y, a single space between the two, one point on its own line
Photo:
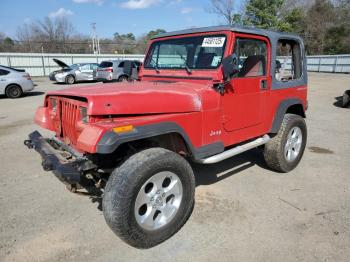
x=118 y=70
x=14 y=82
x=74 y=73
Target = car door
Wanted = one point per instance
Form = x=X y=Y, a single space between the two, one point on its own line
x=244 y=99
x=3 y=80
x=134 y=71
x=119 y=70
x=86 y=73
x=93 y=67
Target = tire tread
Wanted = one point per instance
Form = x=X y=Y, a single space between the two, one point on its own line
x=120 y=187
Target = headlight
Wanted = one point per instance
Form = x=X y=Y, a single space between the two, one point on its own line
x=83 y=114
x=53 y=104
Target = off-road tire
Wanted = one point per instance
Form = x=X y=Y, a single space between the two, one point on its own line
x=124 y=184
x=14 y=91
x=123 y=79
x=70 y=80
x=274 y=149
x=346 y=99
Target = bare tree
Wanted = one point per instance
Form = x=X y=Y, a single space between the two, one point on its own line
x=225 y=9
x=50 y=34
x=24 y=36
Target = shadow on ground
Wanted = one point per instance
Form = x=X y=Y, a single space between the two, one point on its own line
x=339 y=102
x=207 y=174
x=211 y=174
x=76 y=83
x=33 y=93
x=28 y=94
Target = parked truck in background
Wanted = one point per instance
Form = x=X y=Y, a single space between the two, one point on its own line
x=203 y=95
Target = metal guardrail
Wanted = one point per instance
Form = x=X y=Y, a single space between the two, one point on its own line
x=329 y=63
x=37 y=64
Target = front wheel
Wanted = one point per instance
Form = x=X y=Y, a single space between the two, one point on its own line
x=149 y=197
x=284 y=151
x=70 y=80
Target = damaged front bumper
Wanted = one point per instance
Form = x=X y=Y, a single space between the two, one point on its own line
x=67 y=167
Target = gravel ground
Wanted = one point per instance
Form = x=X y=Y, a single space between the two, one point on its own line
x=243 y=211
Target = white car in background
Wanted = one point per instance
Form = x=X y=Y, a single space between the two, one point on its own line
x=118 y=70
x=14 y=82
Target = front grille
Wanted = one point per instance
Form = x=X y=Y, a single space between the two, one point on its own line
x=70 y=115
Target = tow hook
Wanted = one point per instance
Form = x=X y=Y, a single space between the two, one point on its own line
x=29 y=143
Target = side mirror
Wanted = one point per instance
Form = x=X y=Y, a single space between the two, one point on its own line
x=230 y=66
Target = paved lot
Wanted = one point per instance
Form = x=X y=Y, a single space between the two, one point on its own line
x=243 y=211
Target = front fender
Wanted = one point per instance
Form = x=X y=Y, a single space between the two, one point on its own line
x=110 y=141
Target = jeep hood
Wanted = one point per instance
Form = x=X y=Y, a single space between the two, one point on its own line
x=137 y=98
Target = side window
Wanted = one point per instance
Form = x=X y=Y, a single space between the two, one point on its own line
x=251 y=57
x=121 y=65
x=93 y=66
x=85 y=67
x=289 y=61
x=3 y=72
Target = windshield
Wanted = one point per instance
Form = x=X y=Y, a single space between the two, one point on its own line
x=75 y=66
x=199 y=52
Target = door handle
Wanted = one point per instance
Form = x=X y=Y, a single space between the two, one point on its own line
x=263 y=84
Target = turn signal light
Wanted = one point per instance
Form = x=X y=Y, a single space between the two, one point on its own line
x=123 y=129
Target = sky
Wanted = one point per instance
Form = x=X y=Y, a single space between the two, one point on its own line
x=110 y=16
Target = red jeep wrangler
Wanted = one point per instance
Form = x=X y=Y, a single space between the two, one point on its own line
x=203 y=95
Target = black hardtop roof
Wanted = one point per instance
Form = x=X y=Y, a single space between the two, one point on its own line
x=234 y=28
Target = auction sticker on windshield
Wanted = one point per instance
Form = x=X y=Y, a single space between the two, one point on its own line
x=213 y=42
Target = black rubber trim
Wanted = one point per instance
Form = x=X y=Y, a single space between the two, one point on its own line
x=111 y=141
x=281 y=111
x=180 y=77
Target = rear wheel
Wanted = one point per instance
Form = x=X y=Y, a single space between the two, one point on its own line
x=284 y=151
x=70 y=80
x=123 y=79
x=14 y=91
x=149 y=197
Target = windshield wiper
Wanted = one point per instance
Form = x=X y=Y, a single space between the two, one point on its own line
x=188 y=69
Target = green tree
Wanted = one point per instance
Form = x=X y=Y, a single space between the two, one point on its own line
x=293 y=20
x=7 y=44
x=319 y=19
x=142 y=42
x=154 y=33
x=337 y=38
x=125 y=43
x=123 y=37
x=264 y=14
